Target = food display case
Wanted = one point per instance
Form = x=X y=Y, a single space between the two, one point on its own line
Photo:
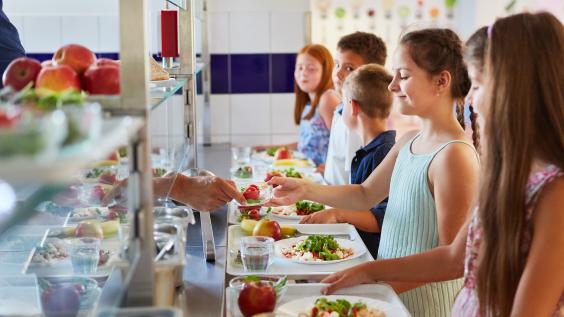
x=81 y=233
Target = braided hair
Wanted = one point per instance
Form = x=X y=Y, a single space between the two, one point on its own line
x=436 y=50
x=474 y=52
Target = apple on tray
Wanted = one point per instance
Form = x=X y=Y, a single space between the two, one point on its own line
x=282 y=154
x=268 y=228
x=256 y=297
x=20 y=72
x=89 y=228
x=76 y=56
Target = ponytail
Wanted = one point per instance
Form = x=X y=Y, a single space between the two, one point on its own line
x=475 y=129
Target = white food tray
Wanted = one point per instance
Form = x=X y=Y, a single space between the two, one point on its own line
x=63 y=267
x=378 y=291
x=297 y=270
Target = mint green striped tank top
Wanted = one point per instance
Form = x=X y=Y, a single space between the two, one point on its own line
x=410 y=226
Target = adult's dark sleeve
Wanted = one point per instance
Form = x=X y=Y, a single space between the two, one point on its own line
x=10 y=45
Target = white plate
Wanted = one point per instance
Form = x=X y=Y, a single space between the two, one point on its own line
x=304 y=305
x=285 y=217
x=358 y=251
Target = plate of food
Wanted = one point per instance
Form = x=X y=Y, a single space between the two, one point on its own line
x=53 y=258
x=338 y=305
x=297 y=211
x=102 y=174
x=277 y=153
x=254 y=213
x=256 y=194
x=243 y=172
x=318 y=249
x=95 y=213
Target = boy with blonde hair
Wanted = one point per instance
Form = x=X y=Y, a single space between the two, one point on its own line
x=367 y=104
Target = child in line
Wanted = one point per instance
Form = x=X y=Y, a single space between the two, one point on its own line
x=367 y=105
x=353 y=51
x=430 y=176
x=510 y=250
x=315 y=102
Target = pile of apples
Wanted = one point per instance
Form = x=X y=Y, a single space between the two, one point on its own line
x=73 y=68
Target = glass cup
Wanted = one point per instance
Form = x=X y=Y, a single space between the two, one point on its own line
x=257 y=252
x=85 y=255
x=241 y=155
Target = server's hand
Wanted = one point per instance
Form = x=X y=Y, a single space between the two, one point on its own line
x=205 y=193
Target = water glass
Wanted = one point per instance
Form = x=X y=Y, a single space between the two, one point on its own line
x=257 y=252
x=241 y=155
x=85 y=255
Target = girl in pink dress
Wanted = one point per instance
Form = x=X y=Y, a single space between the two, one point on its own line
x=511 y=251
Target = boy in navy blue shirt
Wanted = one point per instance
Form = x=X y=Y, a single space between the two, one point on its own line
x=367 y=105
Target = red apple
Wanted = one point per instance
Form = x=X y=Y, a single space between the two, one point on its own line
x=60 y=301
x=58 y=78
x=106 y=62
x=101 y=79
x=76 y=56
x=282 y=153
x=20 y=72
x=256 y=298
x=268 y=228
x=252 y=192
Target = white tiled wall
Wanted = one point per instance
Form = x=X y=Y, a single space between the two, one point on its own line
x=108 y=33
x=287 y=31
x=255 y=26
x=242 y=25
x=218 y=29
x=250 y=114
x=42 y=34
x=282 y=114
x=86 y=35
x=220 y=115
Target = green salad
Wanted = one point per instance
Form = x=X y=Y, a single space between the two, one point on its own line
x=271 y=151
x=323 y=246
x=291 y=172
x=304 y=207
x=244 y=172
x=341 y=306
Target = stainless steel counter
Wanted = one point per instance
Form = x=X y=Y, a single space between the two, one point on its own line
x=204 y=281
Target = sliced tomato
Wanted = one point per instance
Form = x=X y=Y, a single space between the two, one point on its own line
x=252 y=192
x=9 y=117
x=254 y=214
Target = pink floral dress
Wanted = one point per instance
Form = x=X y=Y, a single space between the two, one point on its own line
x=466 y=304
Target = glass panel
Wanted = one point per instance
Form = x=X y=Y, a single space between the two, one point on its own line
x=161 y=91
x=64 y=224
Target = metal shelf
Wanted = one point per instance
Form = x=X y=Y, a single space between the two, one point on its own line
x=64 y=165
